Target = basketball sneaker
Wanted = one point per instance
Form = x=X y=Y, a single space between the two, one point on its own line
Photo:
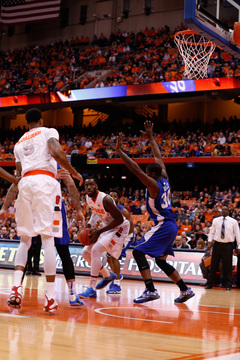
x=147 y=296
x=50 y=305
x=76 y=301
x=105 y=281
x=114 y=289
x=184 y=296
x=88 y=293
x=15 y=298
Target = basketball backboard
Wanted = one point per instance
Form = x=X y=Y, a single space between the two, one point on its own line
x=214 y=19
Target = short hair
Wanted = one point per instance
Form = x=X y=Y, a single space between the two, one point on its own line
x=91 y=178
x=33 y=115
x=116 y=191
x=155 y=167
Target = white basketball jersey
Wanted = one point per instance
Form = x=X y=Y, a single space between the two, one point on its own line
x=98 y=208
x=33 y=152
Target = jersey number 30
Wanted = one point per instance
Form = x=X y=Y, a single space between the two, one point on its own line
x=166 y=199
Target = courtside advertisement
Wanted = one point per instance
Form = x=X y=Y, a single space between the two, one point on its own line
x=186 y=263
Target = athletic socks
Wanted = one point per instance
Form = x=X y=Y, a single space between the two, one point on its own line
x=182 y=286
x=50 y=287
x=149 y=285
x=18 y=274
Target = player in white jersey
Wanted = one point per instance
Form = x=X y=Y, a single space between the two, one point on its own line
x=109 y=238
x=37 y=153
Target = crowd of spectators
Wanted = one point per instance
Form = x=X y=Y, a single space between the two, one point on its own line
x=148 y=56
x=173 y=143
x=193 y=212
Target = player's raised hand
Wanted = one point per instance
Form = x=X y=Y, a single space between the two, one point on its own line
x=81 y=217
x=119 y=141
x=148 y=125
x=79 y=177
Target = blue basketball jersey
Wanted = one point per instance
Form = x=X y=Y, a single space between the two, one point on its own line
x=160 y=209
x=65 y=240
x=158 y=240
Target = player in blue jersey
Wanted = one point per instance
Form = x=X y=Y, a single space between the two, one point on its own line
x=114 y=263
x=62 y=244
x=157 y=242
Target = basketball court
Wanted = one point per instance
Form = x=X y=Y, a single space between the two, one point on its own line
x=112 y=327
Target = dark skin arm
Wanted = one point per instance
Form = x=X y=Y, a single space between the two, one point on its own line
x=129 y=218
x=59 y=155
x=110 y=206
x=5 y=175
x=10 y=196
x=148 y=181
x=73 y=192
x=155 y=149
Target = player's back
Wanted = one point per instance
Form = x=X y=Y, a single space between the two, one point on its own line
x=160 y=209
x=33 y=152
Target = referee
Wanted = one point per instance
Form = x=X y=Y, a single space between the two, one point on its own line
x=223 y=232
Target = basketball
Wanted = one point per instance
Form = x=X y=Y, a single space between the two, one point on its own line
x=84 y=237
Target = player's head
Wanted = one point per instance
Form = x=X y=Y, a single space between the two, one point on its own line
x=115 y=194
x=154 y=170
x=91 y=186
x=33 y=116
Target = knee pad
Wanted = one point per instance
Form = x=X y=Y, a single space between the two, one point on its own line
x=165 y=267
x=140 y=260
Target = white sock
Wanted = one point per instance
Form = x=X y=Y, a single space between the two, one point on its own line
x=117 y=282
x=50 y=289
x=17 y=277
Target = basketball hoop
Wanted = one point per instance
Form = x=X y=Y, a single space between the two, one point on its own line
x=196 y=52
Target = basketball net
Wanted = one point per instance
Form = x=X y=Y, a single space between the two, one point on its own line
x=196 y=52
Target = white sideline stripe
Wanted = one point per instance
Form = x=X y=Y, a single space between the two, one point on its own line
x=127 y=317
x=12 y=315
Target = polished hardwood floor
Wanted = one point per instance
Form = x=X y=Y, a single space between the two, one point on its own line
x=112 y=327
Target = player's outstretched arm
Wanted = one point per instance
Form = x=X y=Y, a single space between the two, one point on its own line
x=155 y=149
x=135 y=169
x=10 y=196
x=7 y=176
x=73 y=192
x=59 y=155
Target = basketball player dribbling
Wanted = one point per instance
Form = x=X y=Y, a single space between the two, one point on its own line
x=157 y=242
x=109 y=238
x=37 y=153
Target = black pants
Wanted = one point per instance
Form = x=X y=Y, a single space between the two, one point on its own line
x=222 y=251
